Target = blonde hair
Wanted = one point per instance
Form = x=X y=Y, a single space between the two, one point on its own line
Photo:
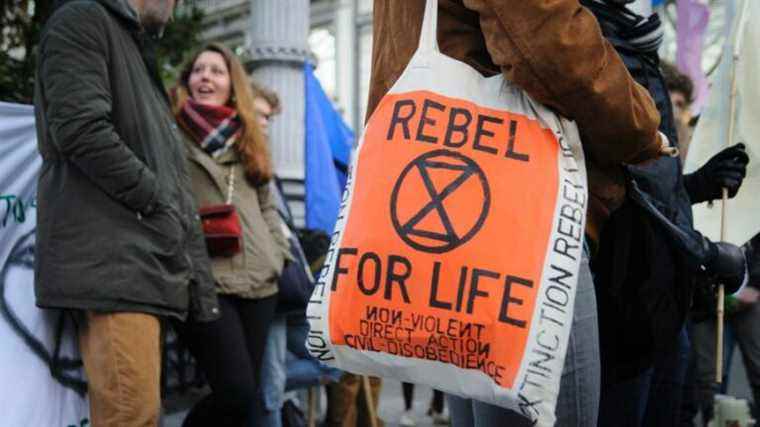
x=252 y=144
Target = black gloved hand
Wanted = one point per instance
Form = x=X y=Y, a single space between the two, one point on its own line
x=725 y=169
x=728 y=265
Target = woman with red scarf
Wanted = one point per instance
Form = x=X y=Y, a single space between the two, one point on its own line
x=229 y=164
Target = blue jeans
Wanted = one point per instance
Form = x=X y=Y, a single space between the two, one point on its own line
x=273 y=374
x=578 y=401
x=287 y=366
x=302 y=369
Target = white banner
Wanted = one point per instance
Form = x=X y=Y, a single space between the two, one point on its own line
x=29 y=394
x=711 y=135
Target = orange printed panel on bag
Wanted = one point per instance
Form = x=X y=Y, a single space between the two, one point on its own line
x=450 y=222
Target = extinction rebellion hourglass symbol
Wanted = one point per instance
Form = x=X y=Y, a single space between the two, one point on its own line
x=425 y=208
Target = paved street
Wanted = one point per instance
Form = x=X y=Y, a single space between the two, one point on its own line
x=391 y=406
x=392 y=401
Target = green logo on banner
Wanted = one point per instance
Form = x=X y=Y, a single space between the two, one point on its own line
x=84 y=423
x=14 y=209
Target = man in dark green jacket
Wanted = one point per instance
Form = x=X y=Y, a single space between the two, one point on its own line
x=118 y=237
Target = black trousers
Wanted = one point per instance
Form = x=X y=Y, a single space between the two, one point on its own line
x=436 y=404
x=229 y=351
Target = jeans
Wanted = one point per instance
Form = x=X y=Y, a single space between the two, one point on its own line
x=286 y=366
x=578 y=401
x=273 y=374
x=303 y=369
x=304 y=373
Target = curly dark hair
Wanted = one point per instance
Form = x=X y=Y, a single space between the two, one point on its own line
x=269 y=95
x=677 y=81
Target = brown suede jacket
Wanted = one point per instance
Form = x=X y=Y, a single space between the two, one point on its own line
x=554 y=50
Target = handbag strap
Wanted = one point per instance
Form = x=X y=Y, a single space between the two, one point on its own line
x=230 y=184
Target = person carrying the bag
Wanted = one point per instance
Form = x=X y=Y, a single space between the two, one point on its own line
x=118 y=238
x=230 y=165
x=555 y=52
x=644 y=279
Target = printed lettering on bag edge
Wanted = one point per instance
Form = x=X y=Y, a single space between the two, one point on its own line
x=439 y=194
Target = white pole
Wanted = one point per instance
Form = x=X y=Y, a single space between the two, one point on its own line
x=723 y=220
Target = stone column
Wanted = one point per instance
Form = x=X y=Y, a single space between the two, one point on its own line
x=346 y=48
x=278 y=46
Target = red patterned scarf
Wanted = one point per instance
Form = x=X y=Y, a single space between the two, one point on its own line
x=214 y=127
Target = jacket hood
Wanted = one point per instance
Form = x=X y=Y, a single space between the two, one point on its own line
x=122 y=9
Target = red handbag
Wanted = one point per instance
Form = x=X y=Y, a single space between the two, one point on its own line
x=221 y=226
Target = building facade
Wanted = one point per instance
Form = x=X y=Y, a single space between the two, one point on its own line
x=338 y=40
x=334 y=36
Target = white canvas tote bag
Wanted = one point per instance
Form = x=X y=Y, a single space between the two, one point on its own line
x=455 y=257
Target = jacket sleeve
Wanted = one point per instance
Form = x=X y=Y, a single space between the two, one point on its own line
x=273 y=220
x=554 y=50
x=76 y=92
x=752 y=252
x=204 y=305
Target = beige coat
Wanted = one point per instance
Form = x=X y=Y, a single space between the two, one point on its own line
x=253 y=272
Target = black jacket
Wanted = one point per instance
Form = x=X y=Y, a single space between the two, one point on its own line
x=753 y=260
x=117 y=227
x=649 y=252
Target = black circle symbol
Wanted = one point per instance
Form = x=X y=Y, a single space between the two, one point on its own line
x=460 y=170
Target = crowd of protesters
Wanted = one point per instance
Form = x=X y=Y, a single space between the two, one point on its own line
x=130 y=168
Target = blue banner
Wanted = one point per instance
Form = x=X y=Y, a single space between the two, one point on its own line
x=329 y=142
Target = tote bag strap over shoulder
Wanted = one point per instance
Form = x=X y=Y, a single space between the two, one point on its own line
x=429 y=34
